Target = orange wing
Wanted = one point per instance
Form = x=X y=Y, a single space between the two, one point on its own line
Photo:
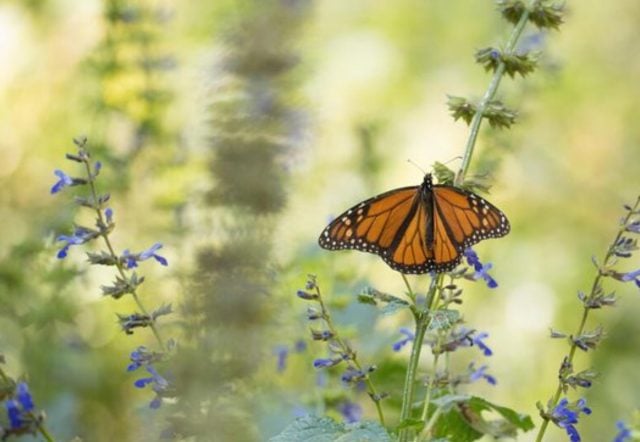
x=396 y=225
x=462 y=219
x=392 y=225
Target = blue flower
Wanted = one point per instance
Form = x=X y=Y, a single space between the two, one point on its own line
x=281 y=353
x=631 y=276
x=96 y=168
x=151 y=253
x=142 y=356
x=477 y=340
x=351 y=376
x=409 y=336
x=24 y=397
x=326 y=363
x=300 y=346
x=480 y=373
x=14 y=414
x=634 y=227
x=131 y=260
x=481 y=270
x=108 y=213
x=80 y=235
x=565 y=416
x=624 y=432
x=351 y=412
x=158 y=384
x=64 y=180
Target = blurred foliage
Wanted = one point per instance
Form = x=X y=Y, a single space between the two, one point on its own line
x=207 y=151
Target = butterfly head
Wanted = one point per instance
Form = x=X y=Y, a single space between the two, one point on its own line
x=427 y=184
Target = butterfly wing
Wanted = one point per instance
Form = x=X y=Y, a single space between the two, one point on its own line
x=392 y=225
x=462 y=219
x=395 y=226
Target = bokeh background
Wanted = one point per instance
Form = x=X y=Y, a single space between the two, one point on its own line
x=231 y=131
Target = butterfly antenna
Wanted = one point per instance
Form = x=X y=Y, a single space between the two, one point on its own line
x=416 y=164
x=453 y=159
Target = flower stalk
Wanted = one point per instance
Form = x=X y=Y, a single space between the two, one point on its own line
x=588 y=305
x=104 y=233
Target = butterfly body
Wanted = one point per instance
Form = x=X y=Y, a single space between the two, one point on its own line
x=417 y=229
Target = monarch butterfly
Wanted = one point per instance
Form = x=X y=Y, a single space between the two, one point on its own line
x=417 y=229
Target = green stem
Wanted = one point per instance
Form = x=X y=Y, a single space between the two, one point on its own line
x=488 y=96
x=422 y=319
x=585 y=314
x=432 y=377
x=119 y=265
x=373 y=394
x=434 y=418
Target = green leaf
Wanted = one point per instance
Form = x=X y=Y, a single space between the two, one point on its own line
x=375 y=297
x=464 y=421
x=365 y=431
x=410 y=423
x=443 y=319
x=443 y=173
x=517 y=420
x=311 y=429
x=449 y=400
x=324 y=429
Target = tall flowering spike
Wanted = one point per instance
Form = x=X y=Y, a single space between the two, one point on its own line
x=409 y=336
x=64 y=180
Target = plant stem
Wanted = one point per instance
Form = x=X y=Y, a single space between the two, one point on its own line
x=118 y=262
x=422 y=319
x=585 y=314
x=373 y=394
x=488 y=96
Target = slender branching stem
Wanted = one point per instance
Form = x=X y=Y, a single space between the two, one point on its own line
x=422 y=322
x=476 y=122
x=346 y=349
x=119 y=265
x=585 y=313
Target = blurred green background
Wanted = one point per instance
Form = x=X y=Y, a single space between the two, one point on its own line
x=231 y=131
